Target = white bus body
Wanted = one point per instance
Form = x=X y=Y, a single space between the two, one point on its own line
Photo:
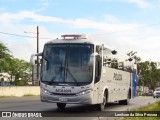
x=76 y=70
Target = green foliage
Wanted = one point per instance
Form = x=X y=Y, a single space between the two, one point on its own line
x=4 y=56
x=133 y=54
x=17 y=68
x=28 y=95
x=148 y=73
x=20 y=82
x=149 y=107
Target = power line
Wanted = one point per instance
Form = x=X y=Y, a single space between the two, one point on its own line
x=140 y=27
x=18 y=35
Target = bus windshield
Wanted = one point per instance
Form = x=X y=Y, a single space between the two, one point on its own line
x=67 y=63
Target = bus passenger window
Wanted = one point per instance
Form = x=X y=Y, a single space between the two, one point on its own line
x=114 y=63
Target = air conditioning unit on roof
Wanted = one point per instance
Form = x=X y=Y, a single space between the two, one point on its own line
x=74 y=36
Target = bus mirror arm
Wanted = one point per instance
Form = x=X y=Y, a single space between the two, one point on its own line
x=38 y=54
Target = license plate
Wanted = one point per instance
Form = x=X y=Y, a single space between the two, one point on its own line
x=63 y=99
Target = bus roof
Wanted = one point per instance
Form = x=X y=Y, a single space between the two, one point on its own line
x=72 y=38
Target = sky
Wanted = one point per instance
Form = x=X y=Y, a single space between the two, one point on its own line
x=123 y=25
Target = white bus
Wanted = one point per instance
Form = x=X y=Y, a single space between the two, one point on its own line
x=75 y=70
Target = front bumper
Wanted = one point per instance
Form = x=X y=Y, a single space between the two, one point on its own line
x=70 y=99
x=156 y=95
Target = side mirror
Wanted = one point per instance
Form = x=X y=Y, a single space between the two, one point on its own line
x=33 y=58
x=92 y=58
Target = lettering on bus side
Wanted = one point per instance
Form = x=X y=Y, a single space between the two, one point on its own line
x=117 y=77
x=63 y=90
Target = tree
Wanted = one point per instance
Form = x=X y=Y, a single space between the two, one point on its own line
x=144 y=73
x=5 y=56
x=20 y=69
x=154 y=75
x=149 y=74
x=134 y=55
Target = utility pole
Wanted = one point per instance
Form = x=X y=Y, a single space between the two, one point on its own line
x=35 y=69
x=37 y=56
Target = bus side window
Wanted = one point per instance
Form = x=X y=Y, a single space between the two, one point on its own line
x=121 y=65
x=98 y=66
x=114 y=63
x=98 y=49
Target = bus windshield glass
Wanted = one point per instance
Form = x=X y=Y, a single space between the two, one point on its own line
x=67 y=63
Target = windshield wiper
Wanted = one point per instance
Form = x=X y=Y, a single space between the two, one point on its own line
x=67 y=69
x=75 y=80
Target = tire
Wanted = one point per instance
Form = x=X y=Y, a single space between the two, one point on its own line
x=121 y=102
x=126 y=101
x=61 y=106
x=102 y=105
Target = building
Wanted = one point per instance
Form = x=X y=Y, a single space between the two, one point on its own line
x=5 y=80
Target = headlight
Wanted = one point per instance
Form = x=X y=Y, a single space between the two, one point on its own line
x=45 y=91
x=83 y=92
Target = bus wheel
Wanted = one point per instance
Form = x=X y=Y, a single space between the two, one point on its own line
x=61 y=106
x=125 y=102
x=101 y=106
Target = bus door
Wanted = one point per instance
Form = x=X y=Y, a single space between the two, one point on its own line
x=97 y=88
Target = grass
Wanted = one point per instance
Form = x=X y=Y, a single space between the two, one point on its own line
x=29 y=95
x=5 y=96
x=150 y=107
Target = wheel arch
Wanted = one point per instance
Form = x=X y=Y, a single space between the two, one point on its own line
x=105 y=90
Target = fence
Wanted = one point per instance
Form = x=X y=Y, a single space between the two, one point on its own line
x=19 y=90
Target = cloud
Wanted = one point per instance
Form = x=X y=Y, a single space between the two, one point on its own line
x=2 y=8
x=23 y=47
x=102 y=26
x=144 y=41
x=29 y=15
x=111 y=19
x=77 y=23
x=43 y=5
x=139 y=3
x=117 y=35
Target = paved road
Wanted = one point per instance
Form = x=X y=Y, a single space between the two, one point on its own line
x=33 y=104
